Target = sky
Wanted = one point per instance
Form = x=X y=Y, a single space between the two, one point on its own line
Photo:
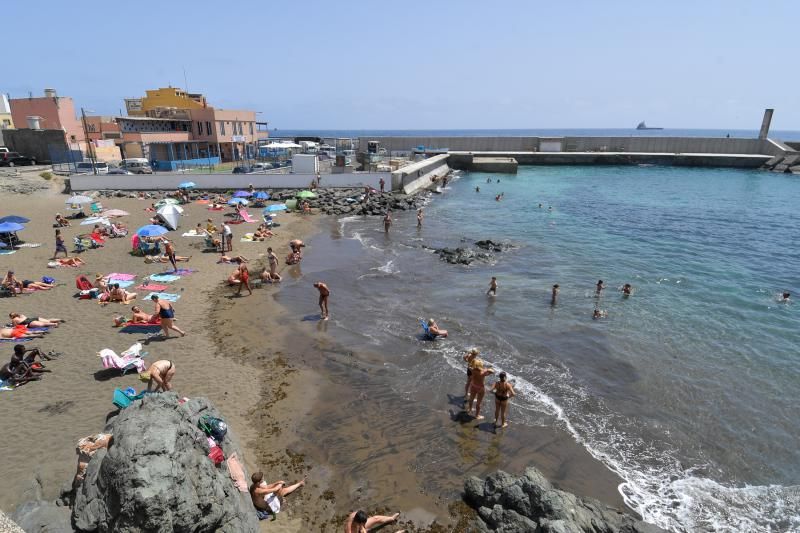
x=435 y=64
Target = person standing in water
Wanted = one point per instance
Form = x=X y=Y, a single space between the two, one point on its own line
x=492 y=287
x=599 y=287
x=477 y=388
x=503 y=392
x=420 y=216
x=387 y=221
x=627 y=290
x=324 y=293
x=554 y=298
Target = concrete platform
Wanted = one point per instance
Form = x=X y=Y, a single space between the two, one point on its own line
x=505 y=165
x=463 y=160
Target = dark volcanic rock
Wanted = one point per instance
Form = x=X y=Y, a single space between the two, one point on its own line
x=156 y=476
x=492 y=246
x=529 y=503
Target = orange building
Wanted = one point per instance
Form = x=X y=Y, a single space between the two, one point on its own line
x=54 y=113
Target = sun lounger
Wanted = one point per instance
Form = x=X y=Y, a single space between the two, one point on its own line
x=130 y=359
x=246 y=216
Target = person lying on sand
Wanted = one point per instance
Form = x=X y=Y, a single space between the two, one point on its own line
x=161 y=373
x=61 y=222
x=70 y=261
x=435 y=330
x=268 y=496
x=118 y=294
x=262 y=233
x=11 y=283
x=20 y=332
x=239 y=259
x=34 y=322
x=162 y=258
x=359 y=522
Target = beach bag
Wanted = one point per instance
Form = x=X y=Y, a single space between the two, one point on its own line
x=83 y=283
x=46 y=279
x=213 y=427
x=216 y=455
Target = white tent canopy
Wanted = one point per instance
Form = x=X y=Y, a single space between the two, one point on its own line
x=283 y=145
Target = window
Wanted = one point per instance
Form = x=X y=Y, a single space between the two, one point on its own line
x=208 y=128
x=199 y=128
x=251 y=128
x=222 y=127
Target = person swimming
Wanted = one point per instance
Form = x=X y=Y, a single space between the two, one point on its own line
x=599 y=287
x=785 y=297
x=599 y=313
x=627 y=289
x=554 y=294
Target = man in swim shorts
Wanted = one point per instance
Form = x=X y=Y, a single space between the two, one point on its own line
x=492 y=287
x=268 y=496
x=324 y=293
x=360 y=522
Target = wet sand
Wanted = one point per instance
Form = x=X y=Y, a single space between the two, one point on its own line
x=299 y=402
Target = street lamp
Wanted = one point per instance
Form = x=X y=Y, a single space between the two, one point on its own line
x=86 y=139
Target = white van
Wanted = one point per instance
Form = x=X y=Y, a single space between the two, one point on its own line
x=137 y=165
x=87 y=167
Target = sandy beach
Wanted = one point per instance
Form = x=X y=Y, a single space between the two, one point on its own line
x=288 y=390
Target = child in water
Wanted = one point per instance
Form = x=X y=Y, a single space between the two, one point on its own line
x=492 y=287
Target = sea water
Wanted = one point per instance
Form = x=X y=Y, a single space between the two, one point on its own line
x=688 y=390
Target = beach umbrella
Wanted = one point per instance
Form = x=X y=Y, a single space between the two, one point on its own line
x=166 y=201
x=242 y=194
x=234 y=201
x=261 y=195
x=306 y=194
x=187 y=185
x=274 y=208
x=115 y=213
x=95 y=220
x=10 y=227
x=171 y=215
x=15 y=218
x=78 y=200
x=151 y=230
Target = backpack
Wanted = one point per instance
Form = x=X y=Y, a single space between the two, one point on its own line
x=83 y=283
x=46 y=279
x=213 y=427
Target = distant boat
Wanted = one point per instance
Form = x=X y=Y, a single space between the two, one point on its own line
x=643 y=126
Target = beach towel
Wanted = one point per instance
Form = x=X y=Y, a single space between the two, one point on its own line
x=56 y=264
x=7 y=252
x=21 y=339
x=216 y=208
x=193 y=234
x=116 y=276
x=4 y=385
x=164 y=278
x=237 y=473
x=153 y=287
x=29 y=245
x=122 y=284
x=170 y=297
x=184 y=271
x=134 y=327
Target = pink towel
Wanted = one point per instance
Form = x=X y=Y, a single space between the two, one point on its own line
x=237 y=473
x=121 y=277
x=246 y=216
x=153 y=287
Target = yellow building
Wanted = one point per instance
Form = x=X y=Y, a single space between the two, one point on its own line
x=163 y=98
x=6 y=122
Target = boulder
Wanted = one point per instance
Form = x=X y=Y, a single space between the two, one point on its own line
x=507 y=504
x=156 y=476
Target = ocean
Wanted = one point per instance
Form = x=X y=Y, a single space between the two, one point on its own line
x=689 y=390
x=783 y=135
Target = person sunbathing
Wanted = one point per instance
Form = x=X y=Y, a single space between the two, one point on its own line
x=70 y=261
x=239 y=259
x=118 y=229
x=118 y=294
x=34 y=322
x=100 y=230
x=20 y=332
x=164 y=258
x=262 y=233
x=11 y=283
x=140 y=317
x=61 y=221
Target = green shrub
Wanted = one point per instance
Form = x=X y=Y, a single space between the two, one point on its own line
x=46 y=175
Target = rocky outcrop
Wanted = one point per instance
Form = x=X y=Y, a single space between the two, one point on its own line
x=530 y=504
x=37 y=514
x=156 y=476
x=485 y=252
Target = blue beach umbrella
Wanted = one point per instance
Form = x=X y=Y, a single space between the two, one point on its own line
x=151 y=230
x=187 y=185
x=15 y=218
x=242 y=194
x=261 y=195
x=10 y=227
x=234 y=201
x=274 y=208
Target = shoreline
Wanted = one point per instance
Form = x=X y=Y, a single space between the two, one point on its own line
x=287 y=387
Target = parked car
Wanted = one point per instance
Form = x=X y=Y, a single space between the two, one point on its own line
x=119 y=172
x=137 y=165
x=261 y=167
x=87 y=167
x=15 y=159
x=242 y=170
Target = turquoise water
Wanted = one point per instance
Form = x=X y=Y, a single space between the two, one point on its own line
x=688 y=390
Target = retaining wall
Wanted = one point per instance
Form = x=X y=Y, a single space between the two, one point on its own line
x=419 y=175
x=163 y=181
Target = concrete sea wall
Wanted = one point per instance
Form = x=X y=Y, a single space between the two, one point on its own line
x=416 y=176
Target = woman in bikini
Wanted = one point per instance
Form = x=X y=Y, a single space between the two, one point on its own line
x=161 y=373
x=70 y=261
x=166 y=313
x=34 y=322
x=503 y=391
x=469 y=358
x=476 y=387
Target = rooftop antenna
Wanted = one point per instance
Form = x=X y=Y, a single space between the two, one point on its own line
x=185 y=83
